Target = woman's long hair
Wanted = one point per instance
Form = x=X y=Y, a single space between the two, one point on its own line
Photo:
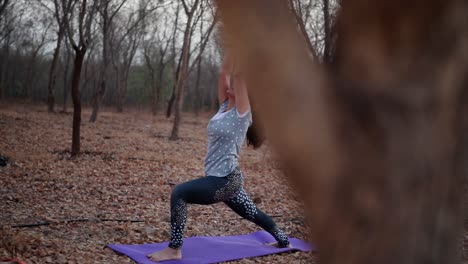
x=255 y=136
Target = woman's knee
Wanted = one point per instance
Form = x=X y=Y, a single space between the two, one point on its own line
x=178 y=192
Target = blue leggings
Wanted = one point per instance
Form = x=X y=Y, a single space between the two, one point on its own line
x=210 y=190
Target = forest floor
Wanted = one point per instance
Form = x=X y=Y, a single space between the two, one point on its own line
x=126 y=170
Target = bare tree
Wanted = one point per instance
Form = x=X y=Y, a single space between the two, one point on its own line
x=382 y=176
x=155 y=53
x=185 y=66
x=35 y=39
x=83 y=33
x=183 y=72
x=124 y=52
x=61 y=11
x=300 y=12
x=176 y=66
x=107 y=12
x=197 y=62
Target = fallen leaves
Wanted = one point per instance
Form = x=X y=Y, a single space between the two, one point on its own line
x=126 y=171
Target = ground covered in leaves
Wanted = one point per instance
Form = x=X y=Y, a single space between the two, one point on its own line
x=58 y=209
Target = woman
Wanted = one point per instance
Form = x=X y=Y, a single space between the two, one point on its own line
x=223 y=181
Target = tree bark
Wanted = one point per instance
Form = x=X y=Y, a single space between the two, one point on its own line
x=382 y=175
x=76 y=97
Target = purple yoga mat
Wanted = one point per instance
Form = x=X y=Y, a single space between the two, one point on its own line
x=204 y=249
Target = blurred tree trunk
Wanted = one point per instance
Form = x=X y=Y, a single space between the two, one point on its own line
x=382 y=177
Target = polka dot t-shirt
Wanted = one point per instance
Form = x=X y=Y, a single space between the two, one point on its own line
x=226 y=133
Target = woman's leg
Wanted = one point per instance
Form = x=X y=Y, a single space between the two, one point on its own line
x=205 y=190
x=245 y=207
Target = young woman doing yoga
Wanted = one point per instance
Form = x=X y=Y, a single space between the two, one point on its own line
x=223 y=180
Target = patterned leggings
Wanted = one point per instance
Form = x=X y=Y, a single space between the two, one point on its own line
x=210 y=190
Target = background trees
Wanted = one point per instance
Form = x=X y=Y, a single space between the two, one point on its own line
x=142 y=39
x=151 y=54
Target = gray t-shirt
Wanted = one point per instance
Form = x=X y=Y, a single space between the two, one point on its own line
x=226 y=133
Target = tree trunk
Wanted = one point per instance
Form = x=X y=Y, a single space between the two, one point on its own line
x=53 y=71
x=65 y=81
x=104 y=75
x=382 y=176
x=181 y=78
x=170 y=104
x=76 y=97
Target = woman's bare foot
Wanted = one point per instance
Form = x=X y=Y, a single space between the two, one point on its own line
x=165 y=254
